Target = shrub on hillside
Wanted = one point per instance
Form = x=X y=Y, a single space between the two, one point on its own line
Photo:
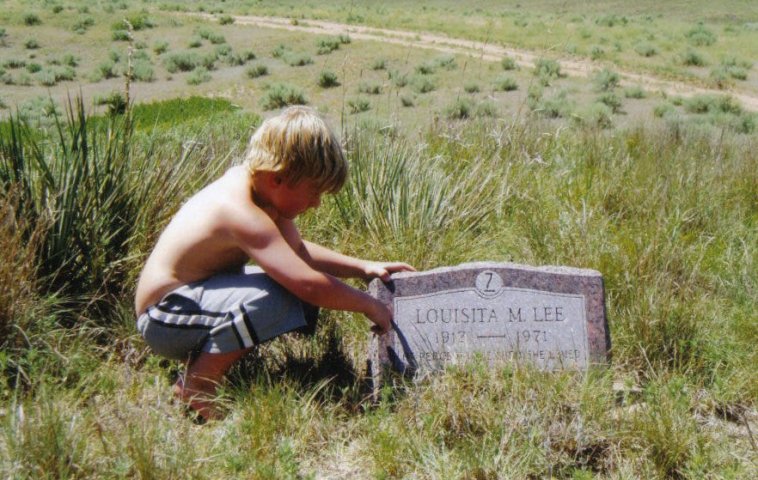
x=611 y=100
x=547 y=70
x=605 y=80
x=379 y=64
x=597 y=52
x=225 y=20
x=398 y=79
x=257 y=70
x=371 y=88
x=713 y=104
x=486 y=108
x=358 y=105
x=31 y=44
x=160 y=47
x=700 y=36
x=597 y=115
x=327 y=45
x=181 y=61
x=198 y=76
x=646 y=49
x=471 y=87
x=120 y=36
x=280 y=95
x=426 y=68
x=142 y=71
x=82 y=25
x=459 y=109
x=508 y=63
x=505 y=84
x=328 y=79
x=423 y=84
x=693 y=58
x=294 y=59
x=447 y=62
x=636 y=92
x=31 y=19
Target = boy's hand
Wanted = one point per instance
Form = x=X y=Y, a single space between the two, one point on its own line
x=381 y=316
x=383 y=270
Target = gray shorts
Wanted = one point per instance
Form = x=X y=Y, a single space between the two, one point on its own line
x=222 y=314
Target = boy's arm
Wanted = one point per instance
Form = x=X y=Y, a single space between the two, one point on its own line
x=338 y=264
x=344 y=266
x=262 y=240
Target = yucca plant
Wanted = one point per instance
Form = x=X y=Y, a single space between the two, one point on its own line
x=401 y=193
x=84 y=181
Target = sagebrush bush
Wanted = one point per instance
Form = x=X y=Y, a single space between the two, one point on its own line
x=160 y=47
x=459 y=109
x=370 y=88
x=281 y=95
x=426 y=68
x=256 y=70
x=508 y=63
x=225 y=20
x=294 y=59
x=143 y=71
x=423 y=84
x=471 y=87
x=398 y=79
x=693 y=58
x=327 y=45
x=646 y=49
x=379 y=64
x=120 y=36
x=597 y=52
x=605 y=80
x=701 y=36
x=31 y=19
x=506 y=84
x=611 y=100
x=358 y=105
x=328 y=79
x=181 y=61
x=636 y=92
x=547 y=70
x=198 y=76
x=713 y=104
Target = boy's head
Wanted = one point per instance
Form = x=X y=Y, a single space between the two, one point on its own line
x=299 y=145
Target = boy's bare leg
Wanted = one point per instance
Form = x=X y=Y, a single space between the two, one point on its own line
x=198 y=387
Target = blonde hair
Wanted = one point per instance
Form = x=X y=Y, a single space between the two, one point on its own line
x=300 y=145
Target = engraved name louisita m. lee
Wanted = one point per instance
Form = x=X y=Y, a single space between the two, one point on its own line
x=553 y=317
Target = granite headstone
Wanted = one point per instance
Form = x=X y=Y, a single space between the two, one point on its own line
x=552 y=317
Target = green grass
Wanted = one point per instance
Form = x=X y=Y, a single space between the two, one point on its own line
x=661 y=200
x=680 y=297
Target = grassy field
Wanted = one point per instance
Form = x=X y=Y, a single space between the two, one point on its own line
x=656 y=192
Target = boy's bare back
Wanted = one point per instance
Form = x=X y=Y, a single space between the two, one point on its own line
x=200 y=241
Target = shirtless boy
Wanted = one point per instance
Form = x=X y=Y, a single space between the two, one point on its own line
x=196 y=299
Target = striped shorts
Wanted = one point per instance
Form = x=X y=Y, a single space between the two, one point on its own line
x=222 y=314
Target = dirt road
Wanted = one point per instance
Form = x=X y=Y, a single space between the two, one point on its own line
x=485 y=51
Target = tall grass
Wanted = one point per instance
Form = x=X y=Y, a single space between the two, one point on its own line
x=666 y=212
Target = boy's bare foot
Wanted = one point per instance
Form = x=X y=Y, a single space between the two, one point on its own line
x=200 y=400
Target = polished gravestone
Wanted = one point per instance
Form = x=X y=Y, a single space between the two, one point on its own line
x=551 y=317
